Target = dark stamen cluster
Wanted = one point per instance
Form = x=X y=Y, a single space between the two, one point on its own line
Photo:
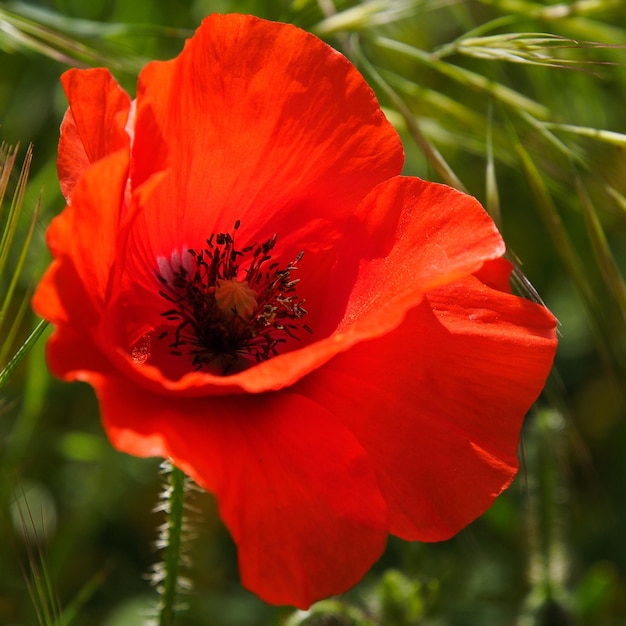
x=212 y=336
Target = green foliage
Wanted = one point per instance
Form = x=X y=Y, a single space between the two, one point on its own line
x=520 y=103
x=15 y=250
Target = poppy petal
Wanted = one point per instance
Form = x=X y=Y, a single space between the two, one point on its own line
x=438 y=403
x=61 y=299
x=426 y=235
x=308 y=153
x=93 y=126
x=85 y=234
x=293 y=486
x=496 y=274
x=72 y=292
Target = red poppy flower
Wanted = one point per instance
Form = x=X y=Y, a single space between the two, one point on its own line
x=390 y=401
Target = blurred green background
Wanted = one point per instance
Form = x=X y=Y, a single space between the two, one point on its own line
x=486 y=98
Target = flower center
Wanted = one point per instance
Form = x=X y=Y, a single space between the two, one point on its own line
x=232 y=308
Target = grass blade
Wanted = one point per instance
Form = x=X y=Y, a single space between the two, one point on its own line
x=23 y=350
x=608 y=267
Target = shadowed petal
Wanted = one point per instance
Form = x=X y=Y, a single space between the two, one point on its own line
x=439 y=402
x=61 y=298
x=293 y=486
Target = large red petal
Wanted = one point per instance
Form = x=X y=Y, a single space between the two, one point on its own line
x=439 y=402
x=266 y=124
x=94 y=125
x=293 y=486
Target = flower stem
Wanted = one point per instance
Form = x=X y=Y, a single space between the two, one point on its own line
x=173 y=540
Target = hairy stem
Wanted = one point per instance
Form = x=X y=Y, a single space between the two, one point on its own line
x=172 y=537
